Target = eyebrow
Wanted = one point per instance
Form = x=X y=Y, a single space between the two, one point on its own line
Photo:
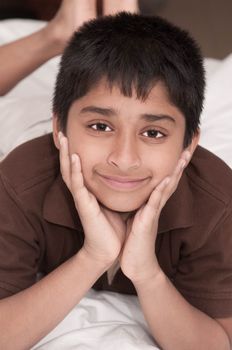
x=109 y=112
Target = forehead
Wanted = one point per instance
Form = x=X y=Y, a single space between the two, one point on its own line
x=103 y=87
x=102 y=95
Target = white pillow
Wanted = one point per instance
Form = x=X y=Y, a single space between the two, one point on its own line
x=216 y=126
x=29 y=102
x=22 y=119
x=25 y=112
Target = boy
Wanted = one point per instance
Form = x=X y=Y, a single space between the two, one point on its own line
x=126 y=185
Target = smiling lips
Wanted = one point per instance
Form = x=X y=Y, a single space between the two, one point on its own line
x=123 y=182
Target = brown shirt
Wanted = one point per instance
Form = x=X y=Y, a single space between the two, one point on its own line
x=40 y=228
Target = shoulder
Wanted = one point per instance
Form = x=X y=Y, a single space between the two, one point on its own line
x=203 y=249
x=210 y=183
x=210 y=175
x=30 y=163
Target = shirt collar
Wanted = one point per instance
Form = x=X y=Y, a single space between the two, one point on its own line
x=59 y=207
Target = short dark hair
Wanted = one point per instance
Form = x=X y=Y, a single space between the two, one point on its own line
x=133 y=52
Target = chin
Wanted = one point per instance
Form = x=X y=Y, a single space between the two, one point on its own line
x=122 y=206
x=120 y=201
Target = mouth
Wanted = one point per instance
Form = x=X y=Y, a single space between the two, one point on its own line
x=123 y=183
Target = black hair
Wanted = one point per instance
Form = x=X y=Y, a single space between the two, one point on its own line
x=133 y=52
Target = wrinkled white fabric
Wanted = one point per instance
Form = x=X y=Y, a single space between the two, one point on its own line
x=102 y=320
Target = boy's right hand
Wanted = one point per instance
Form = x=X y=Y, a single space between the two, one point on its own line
x=104 y=229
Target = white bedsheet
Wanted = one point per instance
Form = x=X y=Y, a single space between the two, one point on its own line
x=102 y=320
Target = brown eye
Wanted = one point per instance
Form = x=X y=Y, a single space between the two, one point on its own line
x=100 y=127
x=153 y=134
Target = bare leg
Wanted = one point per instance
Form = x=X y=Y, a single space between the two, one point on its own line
x=70 y=16
x=21 y=57
x=111 y=7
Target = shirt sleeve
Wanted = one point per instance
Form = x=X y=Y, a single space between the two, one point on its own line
x=204 y=276
x=19 y=248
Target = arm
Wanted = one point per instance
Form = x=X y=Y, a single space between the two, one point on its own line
x=24 y=319
x=174 y=323
x=21 y=57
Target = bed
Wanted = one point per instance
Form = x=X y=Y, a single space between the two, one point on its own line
x=102 y=320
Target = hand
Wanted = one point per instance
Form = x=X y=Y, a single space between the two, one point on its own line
x=104 y=229
x=138 y=261
x=70 y=16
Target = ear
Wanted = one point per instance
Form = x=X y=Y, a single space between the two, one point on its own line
x=56 y=129
x=195 y=140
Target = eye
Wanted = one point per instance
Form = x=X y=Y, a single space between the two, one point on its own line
x=153 y=133
x=100 y=127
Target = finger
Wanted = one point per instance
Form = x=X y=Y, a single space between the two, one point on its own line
x=154 y=202
x=182 y=163
x=148 y=213
x=178 y=171
x=167 y=186
x=64 y=160
x=76 y=174
x=175 y=177
x=84 y=200
x=163 y=191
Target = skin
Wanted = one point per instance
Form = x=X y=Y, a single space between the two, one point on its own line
x=124 y=149
x=126 y=167
x=108 y=145
x=112 y=235
x=21 y=57
x=130 y=226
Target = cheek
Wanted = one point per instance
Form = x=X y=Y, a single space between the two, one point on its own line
x=90 y=157
x=86 y=150
x=163 y=163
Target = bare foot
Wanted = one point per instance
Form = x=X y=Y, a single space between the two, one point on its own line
x=70 y=16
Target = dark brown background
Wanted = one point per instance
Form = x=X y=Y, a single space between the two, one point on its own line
x=209 y=21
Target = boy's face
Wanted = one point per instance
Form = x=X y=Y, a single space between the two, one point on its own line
x=126 y=146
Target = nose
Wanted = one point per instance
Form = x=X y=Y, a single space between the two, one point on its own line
x=124 y=154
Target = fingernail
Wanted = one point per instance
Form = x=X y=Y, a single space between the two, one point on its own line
x=74 y=158
x=187 y=156
x=60 y=135
x=183 y=164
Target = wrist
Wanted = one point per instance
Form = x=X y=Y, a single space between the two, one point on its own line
x=145 y=283
x=96 y=261
x=142 y=272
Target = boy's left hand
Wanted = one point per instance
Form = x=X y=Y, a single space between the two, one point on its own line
x=138 y=261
